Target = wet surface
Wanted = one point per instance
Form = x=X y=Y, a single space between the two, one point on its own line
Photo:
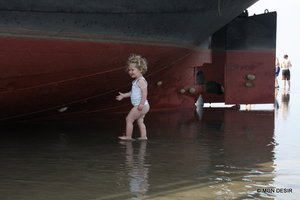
x=218 y=153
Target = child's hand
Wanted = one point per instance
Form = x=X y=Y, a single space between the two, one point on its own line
x=120 y=96
x=140 y=107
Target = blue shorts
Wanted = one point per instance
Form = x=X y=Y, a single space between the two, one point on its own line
x=277 y=70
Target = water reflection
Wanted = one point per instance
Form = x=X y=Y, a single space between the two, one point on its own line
x=233 y=152
x=285 y=99
x=137 y=169
x=282 y=104
x=218 y=154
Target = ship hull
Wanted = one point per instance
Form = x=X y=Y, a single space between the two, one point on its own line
x=86 y=76
x=75 y=63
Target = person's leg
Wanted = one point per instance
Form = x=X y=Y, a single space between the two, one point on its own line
x=131 y=117
x=142 y=126
x=276 y=83
x=288 y=80
x=283 y=78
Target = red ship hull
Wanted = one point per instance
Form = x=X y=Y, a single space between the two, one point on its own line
x=80 y=72
x=86 y=76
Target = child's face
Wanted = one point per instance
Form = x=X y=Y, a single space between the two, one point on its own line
x=133 y=71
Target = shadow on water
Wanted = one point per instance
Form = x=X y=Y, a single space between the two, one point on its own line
x=219 y=153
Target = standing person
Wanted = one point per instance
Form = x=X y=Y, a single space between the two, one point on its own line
x=136 y=67
x=277 y=70
x=286 y=75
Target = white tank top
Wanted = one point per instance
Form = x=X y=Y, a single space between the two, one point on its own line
x=136 y=93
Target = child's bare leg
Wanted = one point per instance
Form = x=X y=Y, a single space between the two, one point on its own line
x=142 y=126
x=131 y=117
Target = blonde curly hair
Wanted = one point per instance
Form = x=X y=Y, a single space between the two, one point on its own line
x=141 y=63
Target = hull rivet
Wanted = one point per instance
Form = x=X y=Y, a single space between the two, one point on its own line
x=250 y=77
x=248 y=84
x=182 y=91
x=192 y=90
x=159 y=83
x=63 y=109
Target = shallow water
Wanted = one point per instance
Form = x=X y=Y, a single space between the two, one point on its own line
x=218 y=153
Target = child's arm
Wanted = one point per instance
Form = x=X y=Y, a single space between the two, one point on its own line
x=123 y=95
x=143 y=86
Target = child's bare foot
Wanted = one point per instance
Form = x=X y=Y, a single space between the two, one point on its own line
x=125 y=138
x=142 y=138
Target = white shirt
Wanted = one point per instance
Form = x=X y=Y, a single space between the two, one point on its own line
x=136 y=93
